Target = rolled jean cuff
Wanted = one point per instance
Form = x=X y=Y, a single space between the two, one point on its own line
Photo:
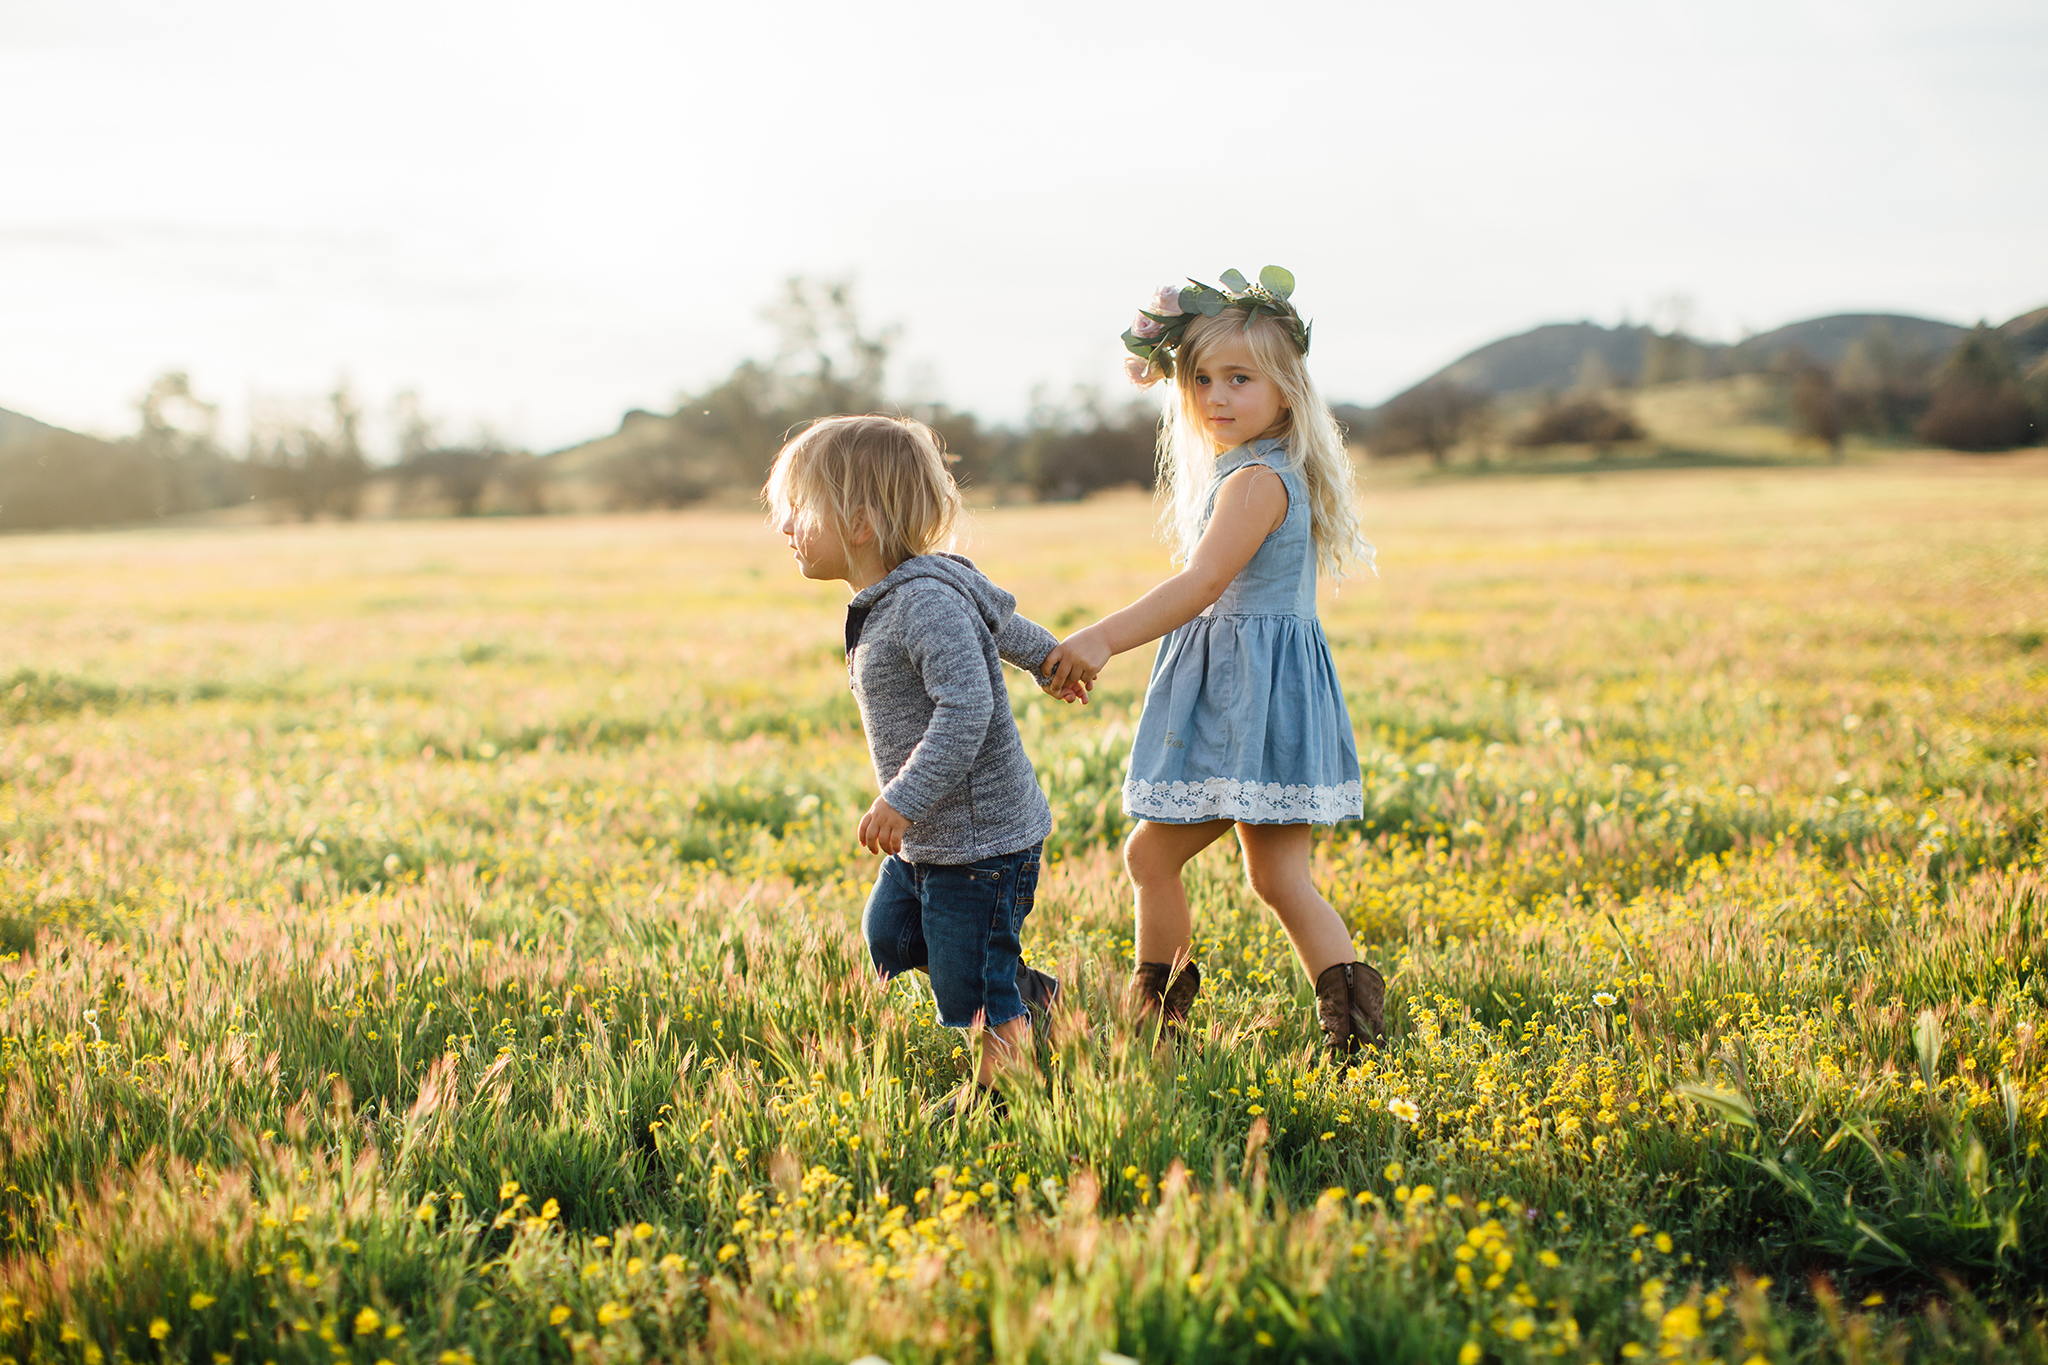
x=958 y=921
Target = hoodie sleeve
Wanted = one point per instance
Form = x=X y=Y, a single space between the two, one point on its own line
x=945 y=650
x=1020 y=641
x=1023 y=643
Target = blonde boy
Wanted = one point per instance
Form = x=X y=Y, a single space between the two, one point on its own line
x=960 y=817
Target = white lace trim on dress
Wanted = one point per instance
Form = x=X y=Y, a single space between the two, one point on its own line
x=1228 y=798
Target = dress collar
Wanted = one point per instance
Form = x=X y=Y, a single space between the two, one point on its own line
x=1232 y=460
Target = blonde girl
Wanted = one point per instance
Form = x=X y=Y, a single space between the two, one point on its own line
x=1244 y=725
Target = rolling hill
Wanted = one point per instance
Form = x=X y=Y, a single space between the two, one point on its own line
x=1559 y=356
x=15 y=429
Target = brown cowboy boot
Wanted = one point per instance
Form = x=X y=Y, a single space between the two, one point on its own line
x=1157 y=987
x=1350 y=1003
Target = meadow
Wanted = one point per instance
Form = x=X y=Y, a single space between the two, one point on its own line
x=438 y=942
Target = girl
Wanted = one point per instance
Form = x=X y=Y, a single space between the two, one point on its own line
x=1244 y=723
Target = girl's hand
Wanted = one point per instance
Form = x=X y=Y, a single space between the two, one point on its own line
x=1077 y=659
x=881 y=829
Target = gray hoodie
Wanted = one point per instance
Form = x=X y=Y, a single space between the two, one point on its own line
x=923 y=649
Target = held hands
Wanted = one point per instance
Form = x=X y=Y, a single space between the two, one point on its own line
x=1075 y=662
x=881 y=829
x=1072 y=692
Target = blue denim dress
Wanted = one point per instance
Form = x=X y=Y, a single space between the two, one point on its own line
x=1244 y=718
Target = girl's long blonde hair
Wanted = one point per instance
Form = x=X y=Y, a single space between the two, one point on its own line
x=1315 y=445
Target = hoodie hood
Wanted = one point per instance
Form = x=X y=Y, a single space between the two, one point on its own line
x=994 y=606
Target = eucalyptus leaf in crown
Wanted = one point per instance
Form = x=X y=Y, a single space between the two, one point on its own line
x=1154 y=339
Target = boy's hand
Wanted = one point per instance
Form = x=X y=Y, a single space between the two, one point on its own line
x=881 y=829
x=1076 y=660
x=1076 y=691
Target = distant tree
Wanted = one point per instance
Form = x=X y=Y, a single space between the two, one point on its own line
x=460 y=473
x=1817 y=407
x=1672 y=356
x=524 y=477
x=1084 y=444
x=982 y=458
x=1882 y=386
x=176 y=438
x=827 y=362
x=1581 y=420
x=1433 y=416
x=1977 y=402
x=176 y=430
x=417 y=432
x=317 y=468
x=347 y=469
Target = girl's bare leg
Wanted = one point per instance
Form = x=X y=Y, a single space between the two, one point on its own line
x=1154 y=856
x=1276 y=863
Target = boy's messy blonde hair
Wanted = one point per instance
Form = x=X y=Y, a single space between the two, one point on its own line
x=1315 y=445
x=888 y=473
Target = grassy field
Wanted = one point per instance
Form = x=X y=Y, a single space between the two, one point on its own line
x=439 y=942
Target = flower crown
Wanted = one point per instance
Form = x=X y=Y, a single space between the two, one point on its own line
x=1154 y=339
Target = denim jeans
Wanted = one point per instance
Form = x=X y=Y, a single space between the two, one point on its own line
x=958 y=921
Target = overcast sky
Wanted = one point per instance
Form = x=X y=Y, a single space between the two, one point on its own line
x=542 y=215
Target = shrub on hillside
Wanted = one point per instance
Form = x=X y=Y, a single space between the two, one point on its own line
x=1817 y=407
x=1582 y=420
x=1980 y=417
x=1978 y=402
x=1433 y=416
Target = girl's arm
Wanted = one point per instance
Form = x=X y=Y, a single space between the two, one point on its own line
x=1249 y=507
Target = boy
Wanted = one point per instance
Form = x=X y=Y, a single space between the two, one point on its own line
x=867 y=501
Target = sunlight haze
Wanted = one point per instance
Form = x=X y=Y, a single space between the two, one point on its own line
x=539 y=217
